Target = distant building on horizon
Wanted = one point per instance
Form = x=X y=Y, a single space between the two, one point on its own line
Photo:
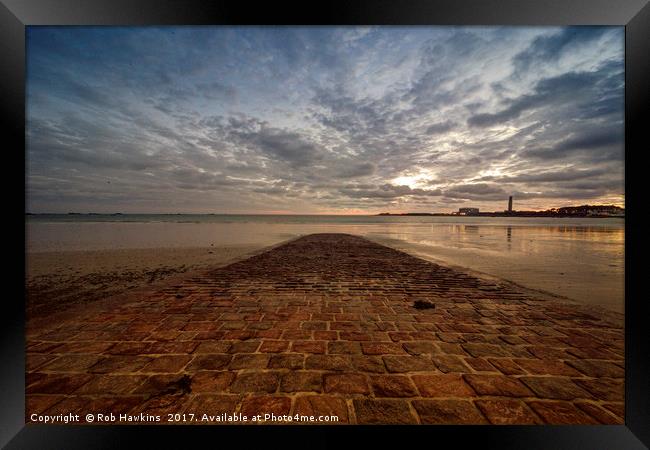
x=468 y=211
x=510 y=204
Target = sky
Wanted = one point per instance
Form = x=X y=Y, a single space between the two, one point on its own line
x=323 y=120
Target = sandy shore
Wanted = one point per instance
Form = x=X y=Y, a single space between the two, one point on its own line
x=58 y=280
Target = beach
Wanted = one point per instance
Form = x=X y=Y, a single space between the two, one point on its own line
x=61 y=279
x=337 y=326
x=577 y=259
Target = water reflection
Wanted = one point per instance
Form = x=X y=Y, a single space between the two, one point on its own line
x=590 y=253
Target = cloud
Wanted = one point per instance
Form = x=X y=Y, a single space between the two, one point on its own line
x=561 y=89
x=550 y=48
x=439 y=128
x=311 y=119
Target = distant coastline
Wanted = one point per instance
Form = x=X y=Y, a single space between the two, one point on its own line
x=512 y=214
x=593 y=211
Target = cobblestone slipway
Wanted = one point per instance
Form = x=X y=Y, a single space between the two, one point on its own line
x=326 y=324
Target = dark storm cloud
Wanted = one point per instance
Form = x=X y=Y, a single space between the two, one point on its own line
x=598 y=144
x=387 y=191
x=546 y=93
x=478 y=191
x=258 y=119
x=545 y=49
x=357 y=170
x=439 y=128
x=552 y=176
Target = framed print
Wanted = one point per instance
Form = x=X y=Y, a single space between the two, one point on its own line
x=366 y=219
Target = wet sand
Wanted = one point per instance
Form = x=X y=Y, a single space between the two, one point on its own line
x=579 y=259
x=61 y=279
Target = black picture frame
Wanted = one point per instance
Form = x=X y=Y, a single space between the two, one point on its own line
x=15 y=15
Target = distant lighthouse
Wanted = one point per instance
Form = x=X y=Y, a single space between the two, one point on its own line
x=510 y=204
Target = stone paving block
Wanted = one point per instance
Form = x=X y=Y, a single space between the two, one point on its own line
x=499 y=385
x=287 y=361
x=392 y=386
x=262 y=405
x=167 y=364
x=383 y=412
x=561 y=413
x=600 y=414
x=164 y=384
x=325 y=335
x=162 y=405
x=382 y=348
x=343 y=348
x=114 y=404
x=71 y=363
x=274 y=346
x=322 y=405
x=111 y=384
x=211 y=381
x=69 y=405
x=58 y=383
x=448 y=411
x=120 y=364
x=451 y=349
x=420 y=348
x=450 y=363
x=371 y=364
x=214 y=405
x=317 y=347
x=555 y=388
x=302 y=382
x=37 y=404
x=486 y=350
x=255 y=382
x=610 y=389
x=354 y=336
x=183 y=347
x=507 y=412
x=546 y=367
x=209 y=362
x=49 y=347
x=479 y=364
x=617 y=408
x=34 y=361
x=244 y=347
x=249 y=361
x=76 y=347
x=328 y=362
x=403 y=364
x=346 y=383
x=443 y=385
x=598 y=369
x=213 y=347
x=506 y=366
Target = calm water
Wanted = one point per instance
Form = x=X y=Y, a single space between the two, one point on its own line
x=582 y=259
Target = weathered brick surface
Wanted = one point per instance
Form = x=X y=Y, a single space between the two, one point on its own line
x=447 y=385
x=378 y=412
x=326 y=324
x=392 y=386
x=448 y=411
x=302 y=382
x=322 y=405
x=555 y=387
x=500 y=385
x=505 y=412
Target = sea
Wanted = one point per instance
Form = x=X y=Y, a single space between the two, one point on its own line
x=581 y=259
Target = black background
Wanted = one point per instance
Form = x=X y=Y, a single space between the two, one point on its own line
x=16 y=14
